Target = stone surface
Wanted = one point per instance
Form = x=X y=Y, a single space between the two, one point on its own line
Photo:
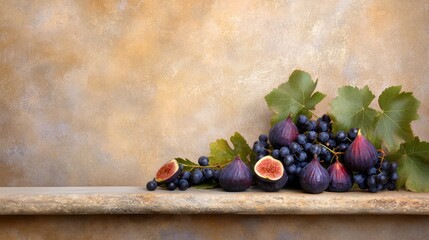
x=187 y=227
x=135 y=200
x=103 y=92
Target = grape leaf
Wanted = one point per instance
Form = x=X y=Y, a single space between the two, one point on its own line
x=294 y=97
x=350 y=109
x=413 y=170
x=398 y=110
x=187 y=164
x=221 y=153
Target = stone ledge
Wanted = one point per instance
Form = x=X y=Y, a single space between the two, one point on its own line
x=137 y=200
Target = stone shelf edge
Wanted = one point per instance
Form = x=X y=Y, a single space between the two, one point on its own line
x=137 y=200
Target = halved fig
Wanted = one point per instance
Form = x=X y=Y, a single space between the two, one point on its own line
x=168 y=172
x=269 y=169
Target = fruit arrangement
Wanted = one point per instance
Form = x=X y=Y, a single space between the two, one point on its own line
x=352 y=145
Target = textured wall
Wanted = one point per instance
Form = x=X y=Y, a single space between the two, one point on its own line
x=103 y=92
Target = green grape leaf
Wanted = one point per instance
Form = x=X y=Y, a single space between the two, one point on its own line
x=398 y=110
x=294 y=97
x=350 y=109
x=413 y=170
x=221 y=153
x=188 y=165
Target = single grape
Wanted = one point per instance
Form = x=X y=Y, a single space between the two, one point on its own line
x=183 y=184
x=180 y=167
x=311 y=136
x=291 y=169
x=362 y=186
x=208 y=173
x=372 y=171
x=284 y=151
x=323 y=137
x=331 y=143
x=263 y=138
x=185 y=175
x=310 y=125
x=323 y=150
x=203 y=161
x=371 y=181
x=307 y=147
x=298 y=170
x=342 y=147
x=275 y=153
x=258 y=148
x=301 y=139
x=171 y=186
x=151 y=185
x=385 y=166
x=216 y=174
x=382 y=178
x=322 y=127
x=301 y=156
x=394 y=176
x=359 y=178
x=288 y=160
x=341 y=136
x=393 y=167
x=197 y=176
x=326 y=118
x=353 y=133
x=294 y=147
x=315 y=149
x=302 y=119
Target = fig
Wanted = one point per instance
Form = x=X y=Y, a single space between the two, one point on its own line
x=314 y=178
x=273 y=186
x=269 y=169
x=283 y=133
x=361 y=155
x=168 y=172
x=236 y=176
x=341 y=179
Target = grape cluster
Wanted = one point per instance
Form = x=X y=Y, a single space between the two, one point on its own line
x=382 y=176
x=316 y=139
x=187 y=178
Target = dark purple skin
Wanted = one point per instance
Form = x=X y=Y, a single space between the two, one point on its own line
x=361 y=155
x=236 y=177
x=314 y=178
x=341 y=178
x=273 y=186
x=283 y=133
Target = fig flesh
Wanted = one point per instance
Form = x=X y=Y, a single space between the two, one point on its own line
x=168 y=172
x=269 y=169
x=236 y=176
x=361 y=155
x=314 y=178
x=283 y=133
x=341 y=179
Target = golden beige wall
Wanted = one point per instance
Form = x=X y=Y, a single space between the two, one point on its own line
x=103 y=92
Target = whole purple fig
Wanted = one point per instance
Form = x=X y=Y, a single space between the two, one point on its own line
x=236 y=177
x=361 y=155
x=341 y=178
x=314 y=178
x=283 y=133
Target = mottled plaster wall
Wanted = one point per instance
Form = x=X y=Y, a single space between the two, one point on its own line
x=103 y=92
